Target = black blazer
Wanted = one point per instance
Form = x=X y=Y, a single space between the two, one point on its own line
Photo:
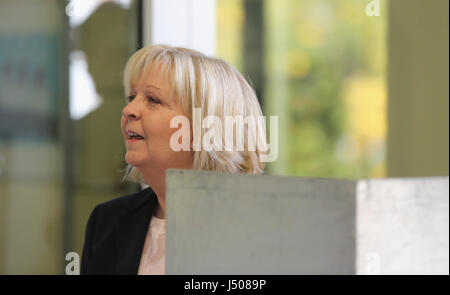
x=115 y=234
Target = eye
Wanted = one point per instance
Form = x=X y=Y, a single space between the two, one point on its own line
x=153 y=100
x=131 y=97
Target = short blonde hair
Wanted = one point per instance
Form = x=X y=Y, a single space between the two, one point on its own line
x=214 y=86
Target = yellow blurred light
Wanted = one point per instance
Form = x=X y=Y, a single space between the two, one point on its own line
x=310 y=34
x=366 y=105
x=298 y=63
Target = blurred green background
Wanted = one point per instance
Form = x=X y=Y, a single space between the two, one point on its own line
x=323 y=73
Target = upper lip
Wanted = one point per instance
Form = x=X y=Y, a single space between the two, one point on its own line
x=128 y=131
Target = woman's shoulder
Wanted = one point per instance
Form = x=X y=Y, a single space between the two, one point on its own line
x=126 y=203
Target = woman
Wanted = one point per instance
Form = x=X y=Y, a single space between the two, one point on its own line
x=127 y=235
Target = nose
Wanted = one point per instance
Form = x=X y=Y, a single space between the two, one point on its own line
x=131 y=110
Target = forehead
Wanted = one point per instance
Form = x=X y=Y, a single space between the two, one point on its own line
x=155 y=74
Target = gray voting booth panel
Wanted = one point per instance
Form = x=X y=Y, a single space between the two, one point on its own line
x=244 y=224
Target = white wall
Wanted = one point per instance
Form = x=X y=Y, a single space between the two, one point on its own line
x=185 y=23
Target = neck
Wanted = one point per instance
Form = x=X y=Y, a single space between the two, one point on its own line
x=158 y=184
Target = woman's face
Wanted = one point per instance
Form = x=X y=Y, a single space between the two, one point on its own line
x=148 y=113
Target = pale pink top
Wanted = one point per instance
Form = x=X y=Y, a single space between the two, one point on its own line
x=154 y=252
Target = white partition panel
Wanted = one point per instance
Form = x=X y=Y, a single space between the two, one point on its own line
x=403 y=226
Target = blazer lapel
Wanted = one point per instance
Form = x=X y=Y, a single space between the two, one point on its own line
x=131 y=230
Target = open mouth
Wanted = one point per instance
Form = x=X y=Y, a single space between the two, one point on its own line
x=133 y=136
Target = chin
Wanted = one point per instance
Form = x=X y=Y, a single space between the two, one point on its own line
x=134 y=160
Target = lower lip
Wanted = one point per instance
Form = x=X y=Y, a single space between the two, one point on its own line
x=133 y=140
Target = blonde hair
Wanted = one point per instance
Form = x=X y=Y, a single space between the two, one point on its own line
x=214 y=86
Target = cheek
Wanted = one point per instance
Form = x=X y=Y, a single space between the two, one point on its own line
x=161 y=137
x=158 y=139
x=158 y=127
x=158 y=132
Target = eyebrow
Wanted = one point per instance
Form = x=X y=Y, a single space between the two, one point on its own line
x=152 y=86
x=133 y=88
